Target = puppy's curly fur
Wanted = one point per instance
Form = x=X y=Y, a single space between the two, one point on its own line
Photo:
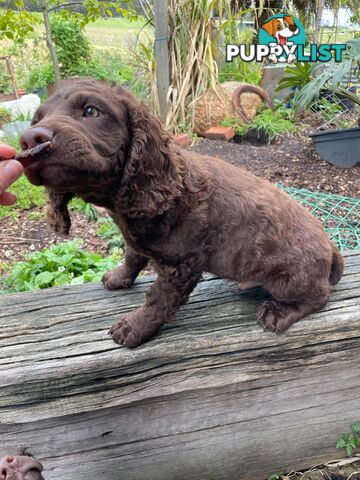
x=186 y=212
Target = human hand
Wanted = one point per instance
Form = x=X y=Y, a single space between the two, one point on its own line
x=10 y=171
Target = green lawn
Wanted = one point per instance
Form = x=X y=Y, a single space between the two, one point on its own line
x=117 y=34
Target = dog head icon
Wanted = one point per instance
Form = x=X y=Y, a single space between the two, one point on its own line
x=282 y=29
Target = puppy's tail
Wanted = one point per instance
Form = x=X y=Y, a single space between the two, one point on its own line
x=337 y=266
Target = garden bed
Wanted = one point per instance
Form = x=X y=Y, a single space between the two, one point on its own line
x=291 y=161
x=30 y=232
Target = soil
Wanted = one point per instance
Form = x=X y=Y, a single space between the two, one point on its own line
x=291 y=161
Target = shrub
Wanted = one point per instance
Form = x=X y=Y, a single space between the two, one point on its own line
x=273 y=122
x=62 y=264
x=72 y=47
x=41 y=77
x=270 y=123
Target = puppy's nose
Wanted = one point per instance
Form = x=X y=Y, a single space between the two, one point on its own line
x=293 y=28
x=35 y=136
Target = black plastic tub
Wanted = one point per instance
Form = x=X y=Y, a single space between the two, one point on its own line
x=339 y=147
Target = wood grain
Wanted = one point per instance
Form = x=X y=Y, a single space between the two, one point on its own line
x=211 y=397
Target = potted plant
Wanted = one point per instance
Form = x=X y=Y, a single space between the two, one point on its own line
x=339 y=147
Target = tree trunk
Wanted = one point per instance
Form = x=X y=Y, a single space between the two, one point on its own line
x=50 y=44
x=318 y=15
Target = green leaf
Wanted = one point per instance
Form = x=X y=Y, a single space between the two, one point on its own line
x=349 y=450
x=355 y=427
x=44 y=279
x=341 y=443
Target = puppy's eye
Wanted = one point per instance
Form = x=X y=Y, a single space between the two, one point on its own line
x=279 y=27
x=91 y=112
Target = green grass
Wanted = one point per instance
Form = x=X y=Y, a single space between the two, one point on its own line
x=116 y=35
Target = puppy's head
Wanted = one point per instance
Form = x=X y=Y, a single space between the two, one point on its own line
x=87 y=126
x=101 y=144
x=281 y=28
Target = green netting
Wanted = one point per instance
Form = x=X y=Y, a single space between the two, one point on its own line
x=339 y=215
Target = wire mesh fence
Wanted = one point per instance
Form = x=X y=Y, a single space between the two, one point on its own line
x=333 y=111
x=339 y=215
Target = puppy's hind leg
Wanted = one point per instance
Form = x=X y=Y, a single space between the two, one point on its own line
x=125 y=274
x=279 y=313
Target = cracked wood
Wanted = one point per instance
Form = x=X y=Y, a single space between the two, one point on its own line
x=212 y=396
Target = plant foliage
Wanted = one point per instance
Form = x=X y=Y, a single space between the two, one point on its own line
x=269 y=123
x=62 y=264
x=331 y=78
x=109 y=232
x=351 y=440
x=72 y=47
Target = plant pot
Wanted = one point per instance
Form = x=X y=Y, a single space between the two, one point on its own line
x=8 y=97
x=41 y=92
x=254 y=137
x=339 y=147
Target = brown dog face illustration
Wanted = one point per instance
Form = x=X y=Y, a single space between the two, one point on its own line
x=281 y=28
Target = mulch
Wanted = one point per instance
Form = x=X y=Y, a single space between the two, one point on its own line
x=291 y=161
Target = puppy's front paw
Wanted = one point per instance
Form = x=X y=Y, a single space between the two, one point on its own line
x=115 y=279
x=133 y=330
x=273 y=316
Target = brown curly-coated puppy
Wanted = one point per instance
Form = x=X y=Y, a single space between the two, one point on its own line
x=186 y=212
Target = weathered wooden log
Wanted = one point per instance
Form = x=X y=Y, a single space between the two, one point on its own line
x=212 y=396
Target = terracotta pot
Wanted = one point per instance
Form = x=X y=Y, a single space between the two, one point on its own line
x=11 y=96
x=7 y=97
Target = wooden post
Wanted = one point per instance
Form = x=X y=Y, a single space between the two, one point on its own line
x=12 y=74
x=162 y=54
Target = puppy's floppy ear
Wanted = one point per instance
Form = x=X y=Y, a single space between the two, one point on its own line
x=270 y=27
x=152 y=176
x=58 y=213
x=290 y=19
